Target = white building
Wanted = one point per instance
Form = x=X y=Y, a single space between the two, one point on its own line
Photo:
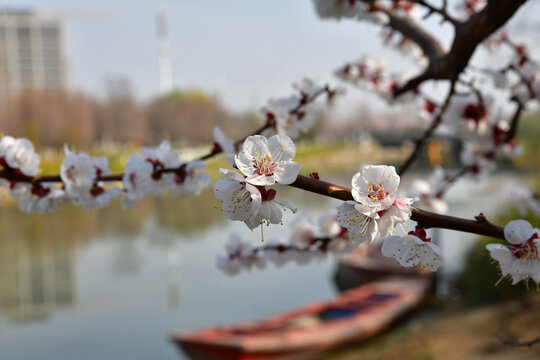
x=31 y=51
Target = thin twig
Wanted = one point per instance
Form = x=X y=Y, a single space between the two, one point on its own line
x=515 y=121
x=452 y=180
x=419 y=143
x=443 y=11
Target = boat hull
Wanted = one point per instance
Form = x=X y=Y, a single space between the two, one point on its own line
x=352 y=316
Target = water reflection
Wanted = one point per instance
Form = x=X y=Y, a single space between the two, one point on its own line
x=38 y=254
x=114 y=283
x=33 y=284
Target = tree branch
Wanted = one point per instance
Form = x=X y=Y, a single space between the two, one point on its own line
x=429 y=45
x=425 y=219
x=468 y=35
x=514 y=122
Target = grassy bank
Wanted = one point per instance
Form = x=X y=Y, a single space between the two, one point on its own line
x=457 y=334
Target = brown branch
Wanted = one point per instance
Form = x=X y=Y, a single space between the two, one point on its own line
x=317 y=244
x=511 y=342
x=429 y=45
x=515 y=121
x=425 y=219
x=419 y=143
x=468 y=35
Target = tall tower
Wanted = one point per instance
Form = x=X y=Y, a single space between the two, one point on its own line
x=164 y=53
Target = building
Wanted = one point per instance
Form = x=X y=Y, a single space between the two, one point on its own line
x=31 y=51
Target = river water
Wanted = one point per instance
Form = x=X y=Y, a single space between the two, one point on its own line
x=115 y=284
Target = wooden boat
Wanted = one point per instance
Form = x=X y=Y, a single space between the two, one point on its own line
x=352 y=316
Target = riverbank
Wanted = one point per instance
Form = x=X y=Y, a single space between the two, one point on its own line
x=457 y=333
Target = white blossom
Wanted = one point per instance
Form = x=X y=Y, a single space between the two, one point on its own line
x=143 y=173
x=270 y=209
x=525 y=201
x=328 y=226
x=375 y=186
x=303 y=233
x=528 y=88
x=77 y=173
x=137 y=180
x=307 y=88
x=265 y=162
x=376 y=210
x=480 y=163
x=99 y=196
x=5 y=143
x=412 y=250
x=364 y=222
x=43 y=198
x=19 y=154
x=161 y=157
x=242 y=201
x=398 y=213
x=239 y=254
x=191 y=180
x=519 y=260
x=360 y=220
x=224 y=144
x=468 y=115
x=290 y=119
x=499 y=77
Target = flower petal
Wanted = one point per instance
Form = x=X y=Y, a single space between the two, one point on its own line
x=518 y=231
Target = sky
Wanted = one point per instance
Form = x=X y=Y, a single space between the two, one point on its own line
x=241 y=51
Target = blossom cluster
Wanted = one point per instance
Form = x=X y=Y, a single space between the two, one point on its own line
x=368 y=73
x=148 y=173
x=85 y=180
x=295 y=114
x=262 y=162
x=484 y=130
x=375 y=210
x=521 y=75
x=309 y=240
x=18 y=157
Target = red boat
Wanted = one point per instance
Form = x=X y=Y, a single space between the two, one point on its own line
x=352 y=316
